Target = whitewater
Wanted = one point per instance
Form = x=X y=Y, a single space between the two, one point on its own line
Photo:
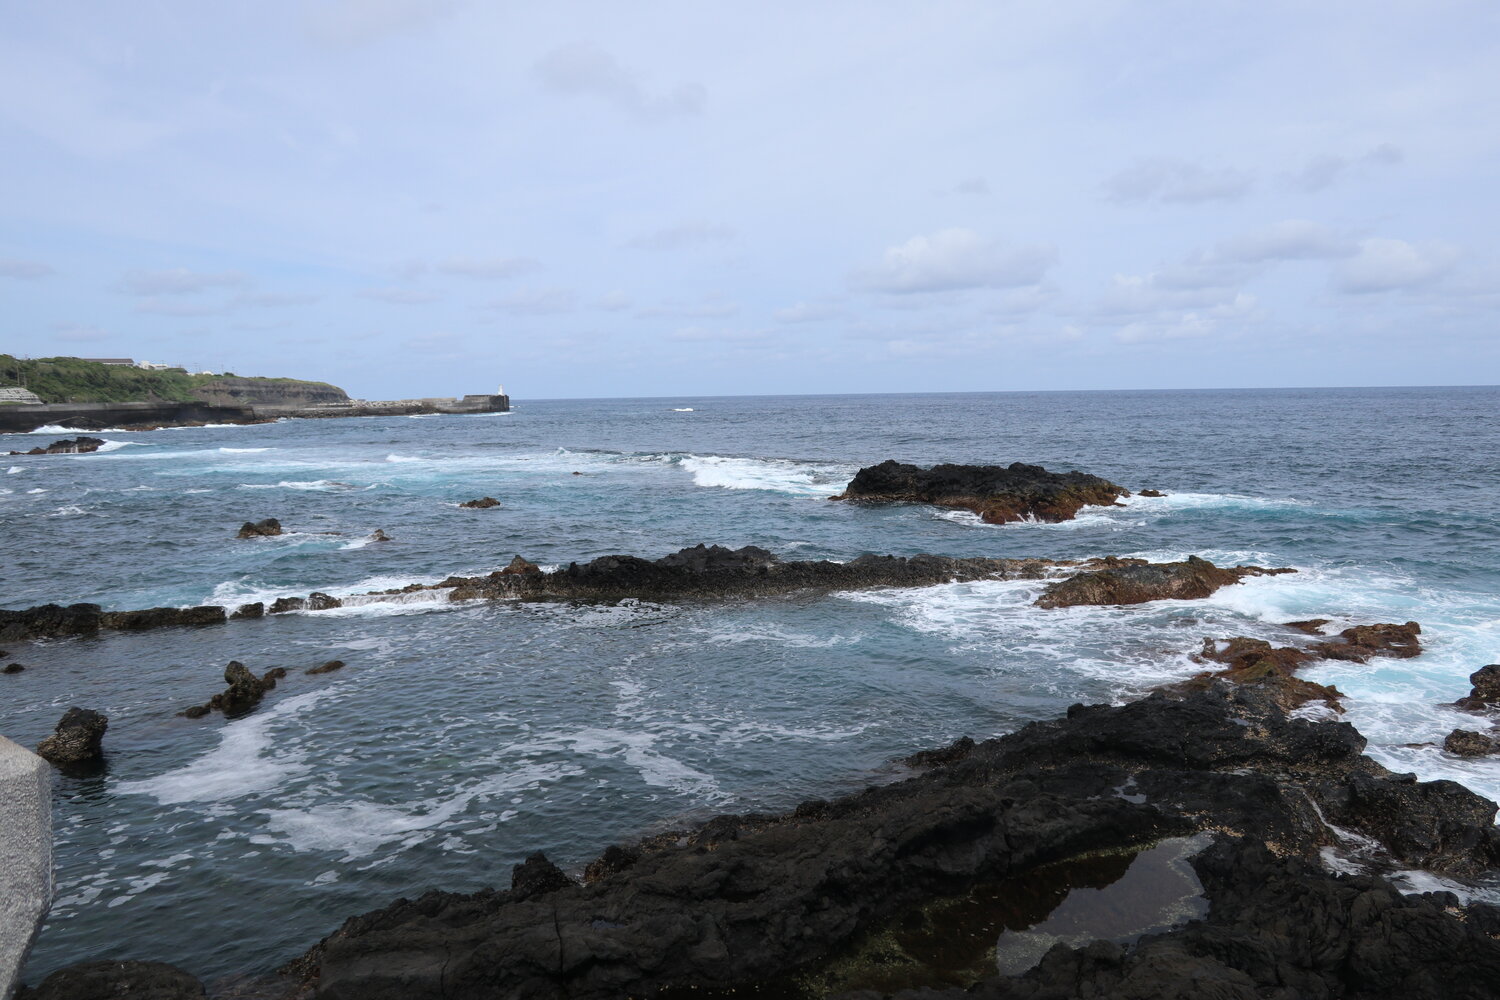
x=460 y=738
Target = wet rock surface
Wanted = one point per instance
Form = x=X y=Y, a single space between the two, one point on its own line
x=997 y=493
x=1485 y=693
x=1135 y=581
x=78 y=738
x=243 y=694
x=483 y=503
x=105 y=980
x=69 y=446
x=50 y=621
x=1467 y=743
x=270 y=527
x=773 y=903
x=1255 y=662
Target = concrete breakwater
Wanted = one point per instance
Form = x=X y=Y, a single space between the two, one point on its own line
x=99 y=416
x=25 y=855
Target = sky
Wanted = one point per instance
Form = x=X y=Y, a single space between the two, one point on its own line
x=577 y=199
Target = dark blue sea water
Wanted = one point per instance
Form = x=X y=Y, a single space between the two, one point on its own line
x=461 y=738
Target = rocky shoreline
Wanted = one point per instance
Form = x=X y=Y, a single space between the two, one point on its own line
x=703 y=572
x=1263 y=847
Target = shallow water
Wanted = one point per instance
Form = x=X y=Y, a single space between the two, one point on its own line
x=460 y=739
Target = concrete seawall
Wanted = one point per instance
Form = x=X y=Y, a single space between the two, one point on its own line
x=25 y=855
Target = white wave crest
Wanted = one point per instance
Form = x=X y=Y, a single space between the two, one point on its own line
x=774 y=474
x=15 y=469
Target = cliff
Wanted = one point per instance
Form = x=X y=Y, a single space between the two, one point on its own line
x=231 y=390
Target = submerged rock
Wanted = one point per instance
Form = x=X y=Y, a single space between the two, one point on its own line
x=1485 y=693
x=243 y=694
x=327 y=668
x=1467 y=743
x=483 y=503
x=78 y=738
x=1150 y=493
x=379 y=536
x=12 y=668
x=997 y=493
x=833 y=896
x=69 y=446
x=109 y=980
x=1135 y=581
x=258 y=529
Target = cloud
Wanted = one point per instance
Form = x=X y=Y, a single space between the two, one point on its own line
x=1165 y=179
x=179 y=281
x=1291 y=239
x=1323 y=170
x=169 y=307
x=582 y=70
x=615 y=301
x=398 y=296
x=713 y=306
x=537 y=302
x=682 y=235
x=719 y=335
x=272 y=300
x=1385 y=265
x=973 y=186
x=953 y=259
x=1196 y=323
x=11 y=267
x=487 y=268
x=357 y=22
x=805 y=312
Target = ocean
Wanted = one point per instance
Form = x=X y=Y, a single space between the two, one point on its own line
x=461 y=738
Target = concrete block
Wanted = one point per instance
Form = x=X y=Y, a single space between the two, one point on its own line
x=25 y=855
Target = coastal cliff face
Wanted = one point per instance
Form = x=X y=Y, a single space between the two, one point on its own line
x=234 y=391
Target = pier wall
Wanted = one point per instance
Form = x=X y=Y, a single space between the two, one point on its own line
x=25 y=855
x=97 y=416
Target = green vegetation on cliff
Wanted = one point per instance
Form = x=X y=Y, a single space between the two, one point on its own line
x=74 y=380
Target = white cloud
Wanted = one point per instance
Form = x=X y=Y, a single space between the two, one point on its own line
x=398 y=296
x=179 y=281
x=1384 y=265
x=615 y=301
x=1171 y=180
x=11 y=267
x=356 y=22
x=78 y=333
x=806 y=312
x=490 y=267
x=1195 y=323
x=1292 y=239
x=588 y=71
x=536 y=302
x=685 y=234
x=1323 y=170
x=952 y=259
x=973 y=186
x=709 y=307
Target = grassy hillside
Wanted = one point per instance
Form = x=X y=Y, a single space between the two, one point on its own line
x=73 y=380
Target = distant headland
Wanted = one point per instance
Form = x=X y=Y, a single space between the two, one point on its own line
x=97 y=393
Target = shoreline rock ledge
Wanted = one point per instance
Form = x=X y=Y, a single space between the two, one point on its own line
x=997 y=493
x=1235 y=812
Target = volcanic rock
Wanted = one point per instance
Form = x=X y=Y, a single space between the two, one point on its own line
x=70 y=446
x=317 y=601
x=49 y=621
x=256 y=529
x=1135 y=581
x=245 y=691
x=12 y=668
x=116 y=981
x=1312 y=626
x=135 y=621
x=1467 y=743
x=379 y=536
x=284 y=604
x=519 y=565
x=1256 y=662
x=1150 y=493
x=256 y=610
x=77 y=739
x=746 y=902
x=327 y=668
x=1485 y=693
x=1364 y=641
x=996 y=493
x=950 y=754
x=483 y=503
x=536 y=877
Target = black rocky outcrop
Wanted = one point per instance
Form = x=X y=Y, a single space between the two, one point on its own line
x=108 y=980
x=997 y=493
x=243 y=694
x=270 y=527
x=755 y=904
x=50 y=621
x=1485 y=693
x=78 y=738
x=71 y=446
x=1135 y=581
